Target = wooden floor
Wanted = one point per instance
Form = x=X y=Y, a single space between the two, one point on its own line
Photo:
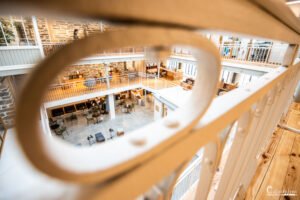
x=279 y=169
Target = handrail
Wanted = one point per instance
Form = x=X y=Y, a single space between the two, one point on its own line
x=59 y=91
x=128 y=50
x=252 y=53
x=255 y=49
x=187 y=129
x=216 y=118
x=282 y=12
x=105 y=169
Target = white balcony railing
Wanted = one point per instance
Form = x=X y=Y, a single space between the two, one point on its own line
x=50 y=48
x=153 y=153
x=81 y=87
x=266 y=54
x=19 y=55
x=189 y=178
x=88 y=86
x=258 y=54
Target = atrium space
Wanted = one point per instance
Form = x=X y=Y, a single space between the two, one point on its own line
x=97 y=120
x=172 y=100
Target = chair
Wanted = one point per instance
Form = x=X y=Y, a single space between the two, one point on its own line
x=89 y=119
x=60 y=121
x=120 y=132
x=85 y=112
x=99 y=137
x=60 y=130
x=73 y=117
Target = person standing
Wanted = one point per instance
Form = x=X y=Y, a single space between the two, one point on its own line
x=75 y=34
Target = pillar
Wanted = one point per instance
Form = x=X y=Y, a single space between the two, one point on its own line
x=290 y=55
x=289 y=58
x=111 y=106
x=297 y=93
x=37 y=35
x=125 y=65
x=107 y=75
x=3 y=33
x=101 y=27
x=158 y=69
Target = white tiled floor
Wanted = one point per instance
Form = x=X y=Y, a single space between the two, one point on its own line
x=78 y=130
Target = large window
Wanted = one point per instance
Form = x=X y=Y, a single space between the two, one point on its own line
x=16 y=31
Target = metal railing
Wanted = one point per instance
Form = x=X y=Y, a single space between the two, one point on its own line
x=266 y=54
x=20 y=42
x=189 y=177
x=19 y=55
x=148 y=155
x=257 y=54
x=92 y=85
x=261 y=54
x=50 y=48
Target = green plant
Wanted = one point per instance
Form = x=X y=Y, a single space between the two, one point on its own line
x=7 y=31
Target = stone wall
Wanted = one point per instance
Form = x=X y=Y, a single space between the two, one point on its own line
x=62 y=30
x=43 y=30
x=96 y=70
x=7 y=105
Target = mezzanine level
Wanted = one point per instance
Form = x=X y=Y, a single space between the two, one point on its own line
x=124 y=168
x=80 y=90
x=20 y=59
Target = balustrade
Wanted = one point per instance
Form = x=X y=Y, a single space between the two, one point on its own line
x=154 y=154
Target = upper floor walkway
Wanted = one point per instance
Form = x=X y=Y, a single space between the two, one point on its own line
x=64 y=93
x=28 y=39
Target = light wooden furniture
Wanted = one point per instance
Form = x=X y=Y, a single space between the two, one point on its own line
x=172 y=75
x=169 y=144
x=226 y=87
x=186 y=86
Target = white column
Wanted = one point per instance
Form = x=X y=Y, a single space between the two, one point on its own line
x=107 y=75
x=101 y=26
x=111 y=104
x=26 y=37
x=290 y=55
x=37 y=35
x=297 y=94
x=4 y=36
x=158 y=69
x=45 y=121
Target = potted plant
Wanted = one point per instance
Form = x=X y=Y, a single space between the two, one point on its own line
x=6 y=33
